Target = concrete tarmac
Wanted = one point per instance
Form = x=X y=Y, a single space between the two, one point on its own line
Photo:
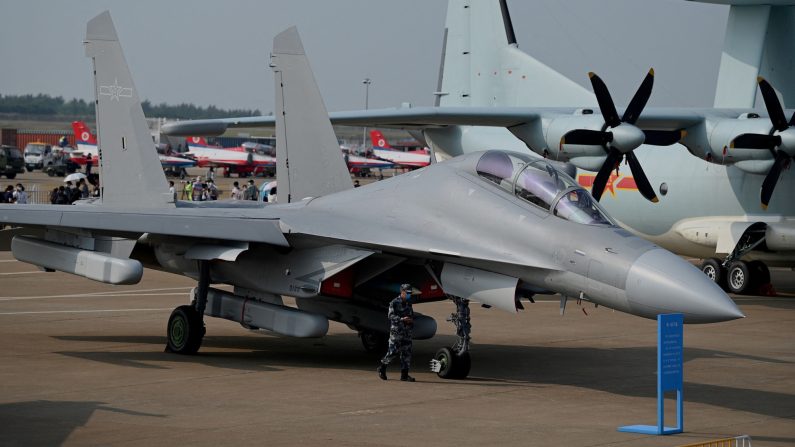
x=83 y=363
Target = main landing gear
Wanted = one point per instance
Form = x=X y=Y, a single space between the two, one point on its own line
x=455 y=362
x=737 y=276
x=186 y=323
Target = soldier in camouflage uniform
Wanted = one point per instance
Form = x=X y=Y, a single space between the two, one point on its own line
x=401 y=320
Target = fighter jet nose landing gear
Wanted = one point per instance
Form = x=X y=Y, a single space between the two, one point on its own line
x=455 y=362
x=186 y=323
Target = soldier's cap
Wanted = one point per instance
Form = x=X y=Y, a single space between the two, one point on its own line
x=405 y=287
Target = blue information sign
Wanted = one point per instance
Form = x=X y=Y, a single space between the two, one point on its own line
x=669 y=375
x=669 y=355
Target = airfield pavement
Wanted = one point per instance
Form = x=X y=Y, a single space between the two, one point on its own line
x=82 y=363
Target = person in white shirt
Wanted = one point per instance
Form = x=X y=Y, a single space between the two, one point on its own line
x=20 y=196
x=237 y=194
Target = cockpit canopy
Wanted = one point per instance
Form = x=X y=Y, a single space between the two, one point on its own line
x=539 y=183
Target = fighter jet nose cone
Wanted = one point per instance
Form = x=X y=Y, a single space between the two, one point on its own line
x=661 y=282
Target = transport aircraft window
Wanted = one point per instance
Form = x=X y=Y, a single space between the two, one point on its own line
x=579 y=206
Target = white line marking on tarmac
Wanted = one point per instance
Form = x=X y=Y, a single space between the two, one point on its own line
x=8 y=260
x=24 y=298
x=125 y=292
x=83 y=311
x=22 y=273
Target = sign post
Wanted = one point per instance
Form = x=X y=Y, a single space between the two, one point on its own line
x=669 y=375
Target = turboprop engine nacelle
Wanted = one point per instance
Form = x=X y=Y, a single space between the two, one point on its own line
x=554 y=137
x=722 y=150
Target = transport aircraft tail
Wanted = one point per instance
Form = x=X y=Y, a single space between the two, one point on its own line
x=309 y=162
x=482 y=64
x=130 y=169
x=759 y=41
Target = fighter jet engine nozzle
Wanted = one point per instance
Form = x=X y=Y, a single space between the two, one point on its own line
x=661 y=282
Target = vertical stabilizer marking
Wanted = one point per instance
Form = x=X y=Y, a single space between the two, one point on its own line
x=129 y=164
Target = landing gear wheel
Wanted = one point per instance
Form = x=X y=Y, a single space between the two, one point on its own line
x=453 y=366
x=714 y=271
x=185 y=330
x=375 y=343
x=738 y=278
x=759 y=273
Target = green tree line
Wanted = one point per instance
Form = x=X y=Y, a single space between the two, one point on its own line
x=47 y=105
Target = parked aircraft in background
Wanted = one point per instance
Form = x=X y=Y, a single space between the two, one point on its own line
x=709 y=193
x=409 y=159
x=362 y=164
x=87 y=150
x=247 y=159
x=335 y=248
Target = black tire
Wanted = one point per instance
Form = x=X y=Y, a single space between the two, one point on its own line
x=375 y=343
x=738 y=277
x=463 y=365
x=51 y=172
x=714 y=271
x=185 y=330
x=28 y=168
x=453 y=366
x=11 y=175
x=760 y=275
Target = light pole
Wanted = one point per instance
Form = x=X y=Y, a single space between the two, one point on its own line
x=366 y=82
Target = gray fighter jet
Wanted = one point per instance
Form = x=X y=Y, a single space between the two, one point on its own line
x=493 y=227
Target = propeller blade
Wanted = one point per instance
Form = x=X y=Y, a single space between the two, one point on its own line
x=599 y=183
x=663 y=137
x=772 y=177
x=640 y=99
x=606 y=104
x=642 y=182
x=586 y=136
x=755 y=141
x=772 y=104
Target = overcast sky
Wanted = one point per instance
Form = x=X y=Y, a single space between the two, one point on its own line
x=214 y=52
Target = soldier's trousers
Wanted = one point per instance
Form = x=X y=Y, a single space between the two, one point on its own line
x=399 y=344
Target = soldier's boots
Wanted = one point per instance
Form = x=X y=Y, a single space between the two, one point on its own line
x=405 y=377
x=382 y=371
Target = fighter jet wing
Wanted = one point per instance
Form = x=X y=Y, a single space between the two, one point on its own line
x=236 y=224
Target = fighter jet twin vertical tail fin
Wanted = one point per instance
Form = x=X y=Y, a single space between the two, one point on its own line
x=309 y=161
x=131 y=174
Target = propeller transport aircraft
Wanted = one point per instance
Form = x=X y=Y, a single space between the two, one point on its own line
x=719 y=188
x=492 y=226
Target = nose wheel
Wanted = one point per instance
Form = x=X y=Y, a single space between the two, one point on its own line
x=449 y=365
x=455 y=362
